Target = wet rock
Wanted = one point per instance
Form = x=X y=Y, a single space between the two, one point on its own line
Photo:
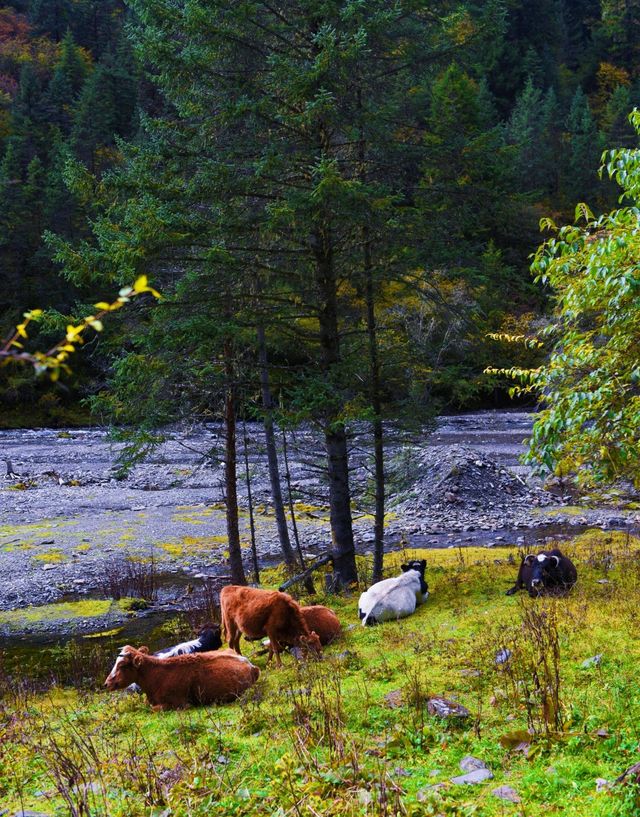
x=602 y=784
x=503 y=655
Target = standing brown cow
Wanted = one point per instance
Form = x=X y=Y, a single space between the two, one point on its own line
x=258 y=613
x=177 y=682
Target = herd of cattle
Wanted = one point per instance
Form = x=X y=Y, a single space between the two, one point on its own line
x=200 y=672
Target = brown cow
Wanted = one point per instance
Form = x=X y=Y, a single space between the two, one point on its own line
x=177 y=682
x=322 y=621
x=258 y=613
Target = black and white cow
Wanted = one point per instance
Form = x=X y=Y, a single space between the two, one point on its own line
x=544 y=571
x=208 y=641
x=395 y=598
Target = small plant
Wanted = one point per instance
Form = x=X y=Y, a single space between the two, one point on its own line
x=130 y=577
x=533 y=669
x=202 y=606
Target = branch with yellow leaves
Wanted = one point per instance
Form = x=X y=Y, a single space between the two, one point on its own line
x=54 y=360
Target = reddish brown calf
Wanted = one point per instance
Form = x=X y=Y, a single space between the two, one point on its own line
x=184 y=680
x=258 y=613
x=322 y=621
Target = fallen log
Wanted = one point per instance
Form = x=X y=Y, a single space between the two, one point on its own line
x=300 y=577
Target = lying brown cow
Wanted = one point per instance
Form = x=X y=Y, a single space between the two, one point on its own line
x=258 y=613
x=183 y=680
x=322 y=621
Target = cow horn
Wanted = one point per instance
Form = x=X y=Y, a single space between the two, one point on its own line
x=528 y=559
x=557 y=559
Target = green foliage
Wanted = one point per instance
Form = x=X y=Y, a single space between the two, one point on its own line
x=591 y=423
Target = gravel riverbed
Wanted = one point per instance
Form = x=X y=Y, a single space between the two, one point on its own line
x=64 y=517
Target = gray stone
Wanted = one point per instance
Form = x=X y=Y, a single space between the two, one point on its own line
x=444 y=708
x=594 y=661
x=472 y=778
x=503 y=655
x=469 y=763
x=506 y=793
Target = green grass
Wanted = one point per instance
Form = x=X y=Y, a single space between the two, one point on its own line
x=322 y=738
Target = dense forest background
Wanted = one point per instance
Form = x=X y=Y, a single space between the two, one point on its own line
x=511 y=125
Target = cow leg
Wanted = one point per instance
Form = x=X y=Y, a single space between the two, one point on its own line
x=234 y=636
x=512 y=590
x=274 y=648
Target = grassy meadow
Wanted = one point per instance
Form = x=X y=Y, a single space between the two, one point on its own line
x=351 y=734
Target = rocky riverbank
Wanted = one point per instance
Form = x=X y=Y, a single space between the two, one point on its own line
x=65 y=517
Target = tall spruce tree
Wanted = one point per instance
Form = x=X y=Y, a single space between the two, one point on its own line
x=285 y=144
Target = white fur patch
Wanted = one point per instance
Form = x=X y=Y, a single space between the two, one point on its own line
x=186 y=648
x=117 y=664
x=541 y=557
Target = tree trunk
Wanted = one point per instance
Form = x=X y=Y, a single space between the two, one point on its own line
x=376 y=405
x=230 y=471
x=272 y=454
x=252 y=525
x=308 y=584
x=335 y=434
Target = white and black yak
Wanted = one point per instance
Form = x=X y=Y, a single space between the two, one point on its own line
x=395 y=598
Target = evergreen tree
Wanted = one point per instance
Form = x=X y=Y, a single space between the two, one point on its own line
x=582 y=149
x=465 y=173
x=106 y=110
x=51 y=17
x=531 y=129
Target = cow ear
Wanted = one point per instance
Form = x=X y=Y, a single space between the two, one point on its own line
x=137 y=660
x=404 y=568
x=556 y=559
x=423 y=564
x=144 y=650
x=529 y=560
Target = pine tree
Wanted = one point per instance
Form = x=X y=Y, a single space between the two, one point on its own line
x=582 y=149
x=531 y=130
x=106 y=110
x=51 y=17
x=277 y=157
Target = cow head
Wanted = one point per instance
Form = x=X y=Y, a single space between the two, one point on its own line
x=418 y=565
x=125 y=669
x=543 y=571
x=210 y=639
x=311 y=643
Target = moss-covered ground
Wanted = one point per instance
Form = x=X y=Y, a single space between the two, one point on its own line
x=351 y=734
